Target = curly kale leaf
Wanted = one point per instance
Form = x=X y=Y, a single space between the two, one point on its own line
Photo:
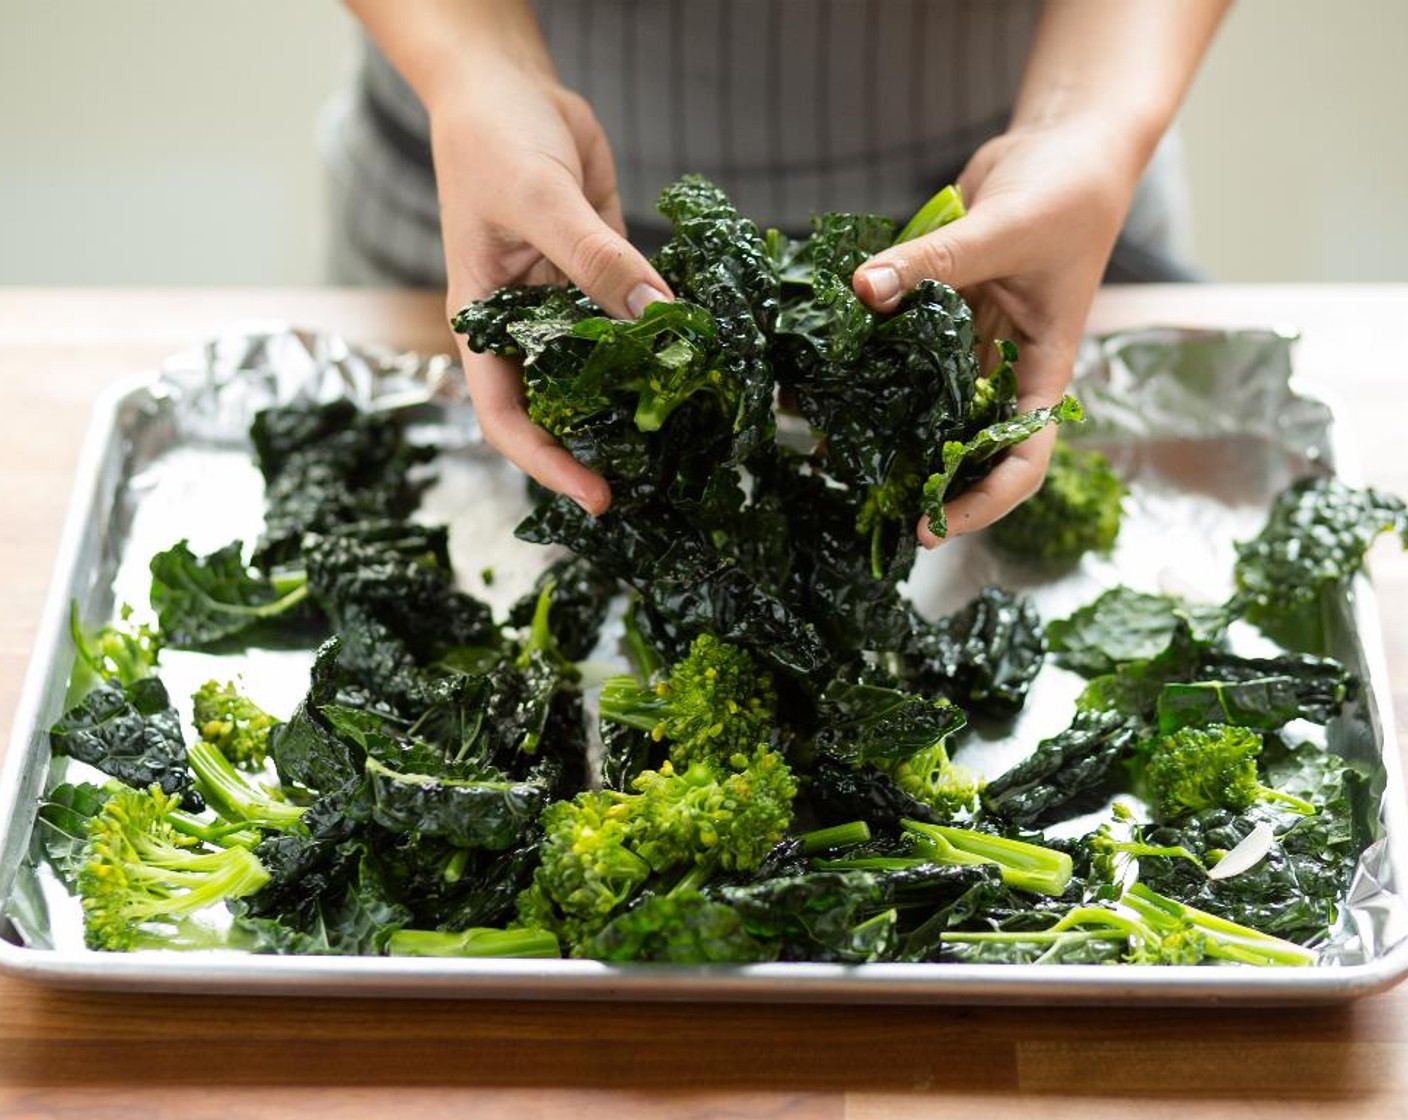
x=307 y=750
x=967 y=460
x=388 y=591
x=128 y=731
x=983 y=657
x=327 y=465
x=1263 y=693
x=467 y=812
x=683 y=577
x=581 y=596
x=681 y=927
x=485 y=323
x=1124 y=625
x=1315 y=538
x=1063 y=772
x=202 y=601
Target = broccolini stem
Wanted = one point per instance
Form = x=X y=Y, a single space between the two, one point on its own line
x=694 y=878
x=233 y=794
x=1027 y=867
x=477 y=942
x=1291 y=801
x=837 y=836
x=222 y=833
x=1226 y=939
x=644 y=661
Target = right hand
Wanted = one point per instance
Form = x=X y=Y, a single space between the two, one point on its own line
x=528 y=196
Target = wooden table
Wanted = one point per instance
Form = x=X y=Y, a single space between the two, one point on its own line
x=76 y=1054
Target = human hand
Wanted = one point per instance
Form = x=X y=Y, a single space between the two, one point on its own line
x=1044 y=207
x=528 y=195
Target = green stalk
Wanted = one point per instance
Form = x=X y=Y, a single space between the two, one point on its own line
x=234 y=795
x=1226 y=939
x=837 y=836
x=944 y=207
x=1026 y=867
x=477 y=942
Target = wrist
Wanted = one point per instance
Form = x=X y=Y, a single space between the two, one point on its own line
x=1121 y=140
x=442 y=46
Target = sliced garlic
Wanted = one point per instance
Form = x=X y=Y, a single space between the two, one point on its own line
x=1246 y=855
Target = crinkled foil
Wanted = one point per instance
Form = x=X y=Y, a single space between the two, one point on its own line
x=1205 y=427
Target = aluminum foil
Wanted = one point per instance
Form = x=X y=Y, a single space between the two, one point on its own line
x=1205 y=427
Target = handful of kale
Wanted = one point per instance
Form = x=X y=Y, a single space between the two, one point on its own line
x=785 y=534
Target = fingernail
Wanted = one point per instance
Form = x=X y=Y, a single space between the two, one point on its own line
x=884 y=283
x=640 y=297
x=594 y=504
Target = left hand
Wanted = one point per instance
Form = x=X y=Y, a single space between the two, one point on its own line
x=1045 y=204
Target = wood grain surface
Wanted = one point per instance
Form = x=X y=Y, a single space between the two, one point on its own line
x=104 y=1056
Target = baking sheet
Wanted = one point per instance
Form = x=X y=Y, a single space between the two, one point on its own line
x=1205 y=426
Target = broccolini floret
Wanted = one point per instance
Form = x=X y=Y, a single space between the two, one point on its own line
x=715 y=702
x=123 y=651
x=682 y=927
x=1213 y=767
x=601 y=847
x=588 y=868
x=932 y=778
x=1077 y=509
x=233 y=723
x=139 y=870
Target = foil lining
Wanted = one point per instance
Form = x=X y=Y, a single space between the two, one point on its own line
x=1205 y=427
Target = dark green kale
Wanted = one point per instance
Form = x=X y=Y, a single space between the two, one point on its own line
x=326 y=465
x=983 y=657
x=358 y=918
x=128 y=731
x=818 y=915
x=1263 y=693
x=969 y=459
x=1064 y=772
x=204 y=600
x=1077 y=510
x=682 y=576
x=902 y=735
x=581 y=596
x=795 y=555
x=469 y=812
x=681 y=927
x=1124 y=625
x=388 y=590
x=1315 y=538
x=308 y=750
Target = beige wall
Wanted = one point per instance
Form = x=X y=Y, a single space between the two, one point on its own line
x=1297 y=140
x=172 y=141
x=164 y=141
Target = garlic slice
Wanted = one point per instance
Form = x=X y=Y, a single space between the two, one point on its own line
x=1247 y=854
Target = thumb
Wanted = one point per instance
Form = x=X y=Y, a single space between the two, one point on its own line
x=573 y=236
x=979 y=246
